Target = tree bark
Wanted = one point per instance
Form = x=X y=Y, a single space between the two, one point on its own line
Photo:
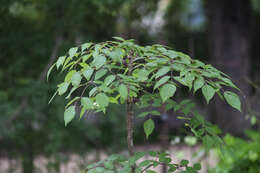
x=229 y=40
x=130 y=113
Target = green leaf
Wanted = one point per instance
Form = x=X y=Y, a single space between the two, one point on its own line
x=208 y=142
x=167 y=91
x=123 y=91
x=148 y=127
x=198 y=83
x=142 y=75
x=162 y=71
x=109 y=79
x=100 y=73
x=60 y=61
x=208 y=92
x=86 y=103
x=161 y=81
x=73 y=51
x=88 y=73
x=102 y=100
x=184 y=162
x=85 y=46
x=150 y=171
x=197 y=166
x=75 y=79
x=53 y=97
x=155 y=113
x=69 y=114
x=99 y=61
x=118 y=38
x=69 y=75
x=49 y=71
x=62 y=88
x=143 y=114
x=233 y=100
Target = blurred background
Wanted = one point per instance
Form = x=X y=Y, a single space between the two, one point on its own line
x=33 y=138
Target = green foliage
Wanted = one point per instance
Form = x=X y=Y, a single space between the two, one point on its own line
x=122 y=71
x=120 y=164
x=243 y=156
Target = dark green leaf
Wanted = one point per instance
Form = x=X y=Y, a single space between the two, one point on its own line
x=167 y=91
x=233 y=100
x=197 y=166
x=148 y=127
x=198 y=83
x=184 y=162
x=208 y=92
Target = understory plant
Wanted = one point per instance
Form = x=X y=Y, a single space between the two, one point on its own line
x=122 y=72
x=243 y=155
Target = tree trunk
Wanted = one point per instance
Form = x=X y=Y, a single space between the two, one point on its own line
x=130 y=130
x=229 y=40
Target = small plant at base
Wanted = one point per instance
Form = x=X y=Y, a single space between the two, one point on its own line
x=123 y=72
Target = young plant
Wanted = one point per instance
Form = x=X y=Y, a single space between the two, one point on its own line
x=122 y=72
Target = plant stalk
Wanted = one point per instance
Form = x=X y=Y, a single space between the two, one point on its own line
x=130 y=114
x=130 y=129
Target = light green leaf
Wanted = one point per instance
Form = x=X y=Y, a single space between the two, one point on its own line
x=69 y=75
x=86 y=103
x=73 y=51
x=109 y=79
x=85 y=46
x=119 y=38
x=62 y=88
x=167 y=91
x=75 y=79
x=198 y=83
x=92 y=91
x=102 y=100
x=162 y=71
x=148 y=127
x=69 y=114
x=142 y=75
x=161 y=81
x=233 y=100
x=53 y=97
x=208 y=92
x=60 y=61
x=99 y=61
x=143 y=114
x=49 y=71
x=88 y=73
x=100 y=73
x=123 y=91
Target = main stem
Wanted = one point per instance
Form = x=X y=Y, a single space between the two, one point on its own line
x=130 y=130
x=130 y=114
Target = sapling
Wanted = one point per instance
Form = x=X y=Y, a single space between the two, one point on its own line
x=123 y=72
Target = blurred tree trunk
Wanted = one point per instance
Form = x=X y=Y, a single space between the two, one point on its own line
x=229 y=42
